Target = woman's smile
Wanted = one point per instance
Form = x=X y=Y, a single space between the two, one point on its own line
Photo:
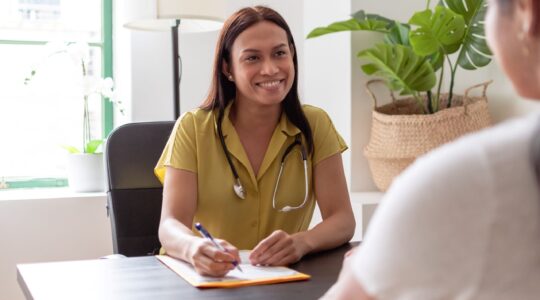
x=271 y=85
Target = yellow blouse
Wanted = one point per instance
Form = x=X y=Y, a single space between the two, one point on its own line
x=194 y=146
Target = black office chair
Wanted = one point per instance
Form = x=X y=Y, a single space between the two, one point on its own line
x=134 y=195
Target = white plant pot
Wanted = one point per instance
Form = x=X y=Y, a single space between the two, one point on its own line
x=86 y=172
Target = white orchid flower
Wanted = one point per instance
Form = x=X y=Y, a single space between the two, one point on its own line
x=92 y=87
x=106 y=87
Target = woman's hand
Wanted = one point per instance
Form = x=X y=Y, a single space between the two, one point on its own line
x=278 y=249
x=209 y=260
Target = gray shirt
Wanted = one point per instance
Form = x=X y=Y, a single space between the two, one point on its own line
x=463 y=222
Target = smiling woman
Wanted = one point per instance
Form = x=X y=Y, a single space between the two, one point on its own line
x=261 y=65
x=252 y=162
x=47 y=111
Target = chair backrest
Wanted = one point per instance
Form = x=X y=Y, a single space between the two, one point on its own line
x=134 y=193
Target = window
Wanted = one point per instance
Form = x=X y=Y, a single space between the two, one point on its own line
x=38 y=118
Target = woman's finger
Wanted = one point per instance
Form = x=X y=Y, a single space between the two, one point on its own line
x=286 y=260
x=208 y=267
x=230 y=249
x=265 y=244
x=278 y=256
x=282 y=247
x=218 y=255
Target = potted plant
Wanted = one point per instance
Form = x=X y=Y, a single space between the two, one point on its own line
x=412 y=61
x=85 y=165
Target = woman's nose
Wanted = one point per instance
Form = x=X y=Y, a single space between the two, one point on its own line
x=269 y=67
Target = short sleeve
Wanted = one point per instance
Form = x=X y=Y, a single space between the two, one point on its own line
x=326 y=140
x=428 y=235
x=181 y=149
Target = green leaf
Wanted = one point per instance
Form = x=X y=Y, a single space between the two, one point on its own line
x=398 y=34
x=360 y=21
x=92 y=146
x=369 y=69
x=70 y=149
x=442 y=30
x=475 y=52
x=403 y=70
x=361 y=17
x=436 y=60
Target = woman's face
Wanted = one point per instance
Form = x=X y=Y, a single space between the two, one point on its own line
x=511 y=46
x=261 y=64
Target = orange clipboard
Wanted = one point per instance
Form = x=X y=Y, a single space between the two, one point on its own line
x=252 y=275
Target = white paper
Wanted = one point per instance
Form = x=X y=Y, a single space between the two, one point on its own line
x=250 y=272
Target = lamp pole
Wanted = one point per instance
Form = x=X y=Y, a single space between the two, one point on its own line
x=176 y=68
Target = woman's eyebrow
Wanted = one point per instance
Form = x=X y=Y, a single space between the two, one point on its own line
x=256 y=50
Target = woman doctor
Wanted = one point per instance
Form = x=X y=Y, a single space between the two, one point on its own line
x=251 y=163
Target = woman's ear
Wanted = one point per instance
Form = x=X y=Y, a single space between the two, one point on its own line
x=529 y=16
x=226 y=70
x=535 y=17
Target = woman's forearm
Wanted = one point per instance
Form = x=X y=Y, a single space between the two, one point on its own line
x=330 y=233
x=176 y=238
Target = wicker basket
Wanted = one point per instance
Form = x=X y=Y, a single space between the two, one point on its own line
x=400 y=132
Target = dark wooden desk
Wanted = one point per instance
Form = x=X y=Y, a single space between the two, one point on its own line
x=147 y=278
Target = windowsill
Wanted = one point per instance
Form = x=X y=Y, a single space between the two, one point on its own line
x=48 y=193
x=44 y=193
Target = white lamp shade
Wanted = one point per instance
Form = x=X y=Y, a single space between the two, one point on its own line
x=194 y=16
x=191 y=9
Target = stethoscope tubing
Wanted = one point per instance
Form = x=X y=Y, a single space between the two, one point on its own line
x=306 y=192
x=239 y=188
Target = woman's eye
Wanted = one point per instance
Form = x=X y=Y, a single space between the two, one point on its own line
x=252 y=58
x=281 y=53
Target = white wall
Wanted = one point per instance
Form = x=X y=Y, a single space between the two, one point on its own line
x=49 y=225
x=327 y=63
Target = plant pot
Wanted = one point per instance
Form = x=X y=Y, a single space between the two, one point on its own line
x=86 y=172
x=400 y=132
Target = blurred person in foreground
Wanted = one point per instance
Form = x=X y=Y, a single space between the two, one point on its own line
x=463 y=222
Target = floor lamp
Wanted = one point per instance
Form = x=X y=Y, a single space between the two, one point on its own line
x=185 y=16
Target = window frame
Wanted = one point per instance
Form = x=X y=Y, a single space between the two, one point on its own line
x=107 y=114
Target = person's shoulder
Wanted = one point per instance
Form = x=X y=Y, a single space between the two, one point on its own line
x=315 y=115
x=509 y=139
x=507 y=134
x=465 y=161
x=312 y=111
x=197 y=117
x=197 y=114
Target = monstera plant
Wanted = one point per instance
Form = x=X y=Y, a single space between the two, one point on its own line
x=450 y=35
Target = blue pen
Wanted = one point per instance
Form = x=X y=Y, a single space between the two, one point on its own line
x=207 y=235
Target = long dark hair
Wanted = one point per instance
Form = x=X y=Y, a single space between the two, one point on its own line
x=222 y=91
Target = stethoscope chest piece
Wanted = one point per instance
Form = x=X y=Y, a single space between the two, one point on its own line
x=239 y=189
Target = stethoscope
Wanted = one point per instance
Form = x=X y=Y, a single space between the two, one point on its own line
x=239 y=188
